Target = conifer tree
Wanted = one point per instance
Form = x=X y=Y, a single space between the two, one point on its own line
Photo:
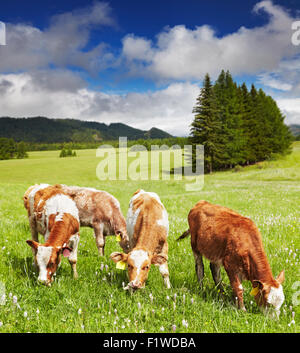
x=237 y=126
x=205 y=129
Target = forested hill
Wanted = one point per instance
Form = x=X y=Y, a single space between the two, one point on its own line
x=41 y=129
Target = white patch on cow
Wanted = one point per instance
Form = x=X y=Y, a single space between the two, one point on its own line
x=32 y=193
x=164 y=221
x=59 y=217
x=42 y=257
x=276 y=297
x=240 y=287
x=138 y=257
x=131 y=219
x=60 y=204
x=151 y=194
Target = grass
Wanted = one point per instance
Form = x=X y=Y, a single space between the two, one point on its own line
x=268 y=193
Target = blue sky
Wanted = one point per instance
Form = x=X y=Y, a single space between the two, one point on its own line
x=142 y=63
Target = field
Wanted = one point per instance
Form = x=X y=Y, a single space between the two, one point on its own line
x=268 y=193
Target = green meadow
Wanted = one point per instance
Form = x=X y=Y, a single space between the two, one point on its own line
x=268 y=193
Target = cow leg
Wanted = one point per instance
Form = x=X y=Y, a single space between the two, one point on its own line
x=237 y=289
x=216 y=274
x=74 y=241
x=199 y=267
x=164 y=271
x=34 y=236
x=99 y=237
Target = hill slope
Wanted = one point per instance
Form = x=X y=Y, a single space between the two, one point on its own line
x=41 y=129
x=295 y=129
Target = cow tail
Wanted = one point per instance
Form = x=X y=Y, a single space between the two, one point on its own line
x=184 y=235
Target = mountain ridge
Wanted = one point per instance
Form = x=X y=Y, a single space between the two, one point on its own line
x=44 y=130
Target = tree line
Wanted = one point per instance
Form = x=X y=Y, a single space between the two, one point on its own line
x=237 y=126
x=10 y=149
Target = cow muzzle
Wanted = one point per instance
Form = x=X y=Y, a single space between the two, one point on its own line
x=44 y=282
x=134 y=285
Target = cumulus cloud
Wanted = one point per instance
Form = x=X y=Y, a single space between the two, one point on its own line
x=40 y=79
x=180 y=53
x=169 y=109
x=62 y=44
x=291 y=109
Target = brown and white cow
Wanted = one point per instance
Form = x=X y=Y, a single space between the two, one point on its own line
x=147 y=228
x=226 y=238
x=100 y=211
x=53 y=214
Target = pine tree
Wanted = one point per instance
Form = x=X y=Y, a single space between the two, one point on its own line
x=228 y=98
x=237 y=126
x=205 y=129
x=246 y=114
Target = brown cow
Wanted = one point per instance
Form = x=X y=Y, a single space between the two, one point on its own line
x=226 y=238
x=101 y=211
x=147 y=228
x=53 y=214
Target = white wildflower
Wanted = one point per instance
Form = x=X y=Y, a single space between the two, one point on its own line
x=185 y=323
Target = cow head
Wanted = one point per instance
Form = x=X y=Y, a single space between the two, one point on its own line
x=138 y=263
x=267 y=296
x=47 y=259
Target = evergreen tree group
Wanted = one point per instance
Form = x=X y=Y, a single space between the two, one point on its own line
x=235 y=125
x=10 y=149
x=67 y=152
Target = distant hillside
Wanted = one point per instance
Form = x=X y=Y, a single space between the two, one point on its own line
x=44 y=130
x=295 y=129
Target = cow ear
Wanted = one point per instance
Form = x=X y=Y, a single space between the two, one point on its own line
x=159 y=259
x=280 y=277
x=119 y=235
x=259 y=284
x=118 y=256
x=33 y=244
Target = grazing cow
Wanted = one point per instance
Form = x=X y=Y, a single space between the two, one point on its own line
x=226 y=238
x=53 y=214
x=147 y=228
x=100 y=211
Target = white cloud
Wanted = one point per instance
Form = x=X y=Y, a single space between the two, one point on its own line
x=62 y=44
x=169 y=109
x=291 y=108
x=267 y=79
x=180 y=53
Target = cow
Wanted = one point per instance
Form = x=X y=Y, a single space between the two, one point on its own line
x=101 y=211
x=147 y=228
x=53 y=214
x=228 y=239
